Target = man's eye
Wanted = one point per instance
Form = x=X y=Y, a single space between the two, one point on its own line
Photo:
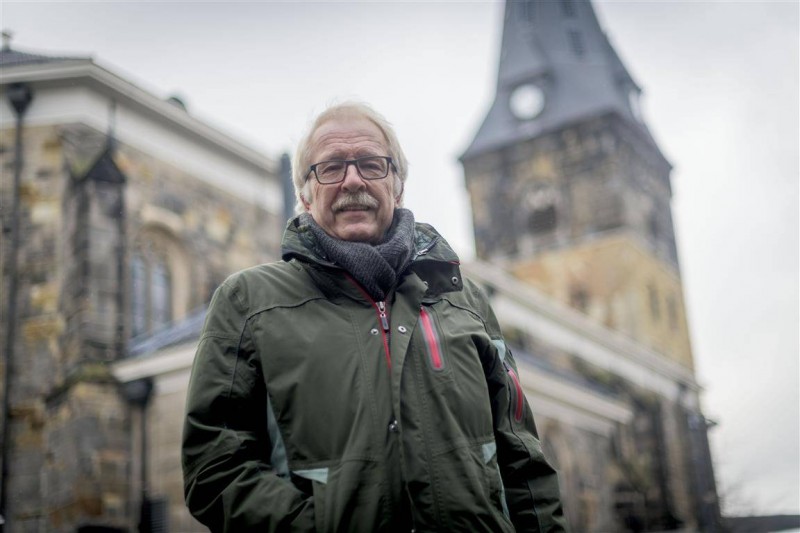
x=333 y=167
x=375 y=165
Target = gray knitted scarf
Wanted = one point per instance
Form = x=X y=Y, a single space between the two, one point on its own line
x=375 y=267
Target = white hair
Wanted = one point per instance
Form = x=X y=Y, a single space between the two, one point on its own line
x=301 y=161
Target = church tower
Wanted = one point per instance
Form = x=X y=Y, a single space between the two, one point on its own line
x=569 y=190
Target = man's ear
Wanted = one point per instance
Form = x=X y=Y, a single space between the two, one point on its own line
x=306 y=203
x=398 y=199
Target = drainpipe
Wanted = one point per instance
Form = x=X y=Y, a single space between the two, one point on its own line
x=120 y=342
x=287 y=186
x=19 y=96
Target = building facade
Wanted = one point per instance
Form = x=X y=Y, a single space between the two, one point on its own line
x=128 y=212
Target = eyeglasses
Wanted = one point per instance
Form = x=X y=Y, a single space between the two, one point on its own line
x=374 y=167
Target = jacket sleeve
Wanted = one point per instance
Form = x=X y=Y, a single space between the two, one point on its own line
x=228 y=482
x=530 y=483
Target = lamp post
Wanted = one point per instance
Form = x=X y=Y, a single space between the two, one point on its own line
x=19 y=96
x=138 y=393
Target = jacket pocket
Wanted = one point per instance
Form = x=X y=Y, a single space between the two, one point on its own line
x=319 y=481
x=517 y=396
x=433 y=344
x=470 y=488
x=348 y=496
x=495 y=478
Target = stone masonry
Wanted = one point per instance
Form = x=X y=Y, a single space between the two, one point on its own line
x=88 y=205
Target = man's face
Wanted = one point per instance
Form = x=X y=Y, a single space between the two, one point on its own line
x=337 y=207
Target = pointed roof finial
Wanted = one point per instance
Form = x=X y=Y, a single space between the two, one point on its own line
x=7 y=35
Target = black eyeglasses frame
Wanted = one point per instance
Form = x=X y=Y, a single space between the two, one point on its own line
x=347 y=162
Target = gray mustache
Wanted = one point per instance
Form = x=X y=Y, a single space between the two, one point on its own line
x=357 y=199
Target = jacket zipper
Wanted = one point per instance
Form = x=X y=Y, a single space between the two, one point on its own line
x=381 y=306
x=518 y=388
x=431 y=340
x=383 y=319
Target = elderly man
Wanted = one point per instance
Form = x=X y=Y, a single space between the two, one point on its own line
x=361 y=384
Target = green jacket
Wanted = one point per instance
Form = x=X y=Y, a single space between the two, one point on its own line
x=312 y=407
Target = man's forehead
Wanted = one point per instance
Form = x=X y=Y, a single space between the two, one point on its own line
x=343 y=131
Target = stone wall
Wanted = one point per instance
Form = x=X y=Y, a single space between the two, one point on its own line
x=88 y=206
x=633 y=475
x=617 y=282
x=40 y=319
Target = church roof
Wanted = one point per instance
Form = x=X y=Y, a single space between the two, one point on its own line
x=173 y=334
x=59 y=71
x=10 y=57
x=560 y=55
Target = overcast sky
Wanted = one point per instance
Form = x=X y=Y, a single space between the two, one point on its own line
x=720 y=84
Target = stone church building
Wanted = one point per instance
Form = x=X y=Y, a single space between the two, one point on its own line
x=129 y=213
x=121 y=212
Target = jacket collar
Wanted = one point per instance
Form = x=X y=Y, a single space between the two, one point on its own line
x=433 y=260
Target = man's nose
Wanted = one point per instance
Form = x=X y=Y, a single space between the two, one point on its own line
x=352 y=179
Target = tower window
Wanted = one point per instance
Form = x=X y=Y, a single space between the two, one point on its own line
x=672 y=313
x=579 y=298
x=576 y=42
x=543 y=219
x=655 y=309
x=607 y=209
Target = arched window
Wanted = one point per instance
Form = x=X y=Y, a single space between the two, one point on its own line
x=138 y=296
x=543 y=220
x=160 y=293
x=157 y=267
x=542 y=207
x=579 y=298
x=655 y=307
